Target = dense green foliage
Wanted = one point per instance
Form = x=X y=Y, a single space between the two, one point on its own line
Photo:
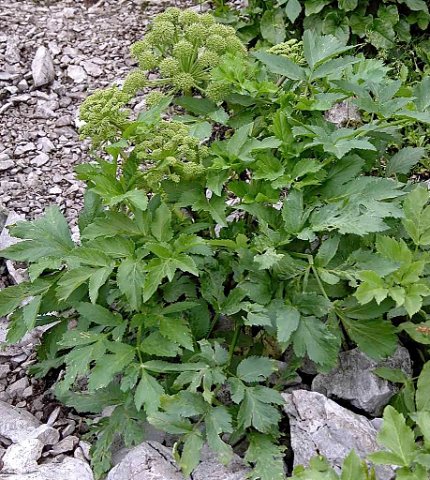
x=231 y=221
x=379 y=23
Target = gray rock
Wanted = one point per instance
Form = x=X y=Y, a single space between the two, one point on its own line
x=76 y=73
x=66 y=445
x=320 y=426
x=12 y=54
x=21 y=149
x=3 y=216
x=5 y=238
x=42 y=67
x=4 y=370
x=40 y=160
x=16 y=424
x=211 y=469
x=148 y=461
x=6 y=165
x=22 y=457
x=46 y=434
x=68 y=469
x=92 y=69
x=18 y=387
x=353 y=380
x=343 y=113
x=153 y=461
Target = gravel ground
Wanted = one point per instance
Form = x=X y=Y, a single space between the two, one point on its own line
x=89 y=45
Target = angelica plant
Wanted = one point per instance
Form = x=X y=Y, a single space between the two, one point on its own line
x=182 y=47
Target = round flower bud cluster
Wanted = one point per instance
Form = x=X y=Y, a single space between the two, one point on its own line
x=183 y=47
x=134 y=82
x=171 y=152
x=104 y=115
x=292 y=49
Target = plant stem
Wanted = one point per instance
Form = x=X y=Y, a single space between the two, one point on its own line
x=233 y=344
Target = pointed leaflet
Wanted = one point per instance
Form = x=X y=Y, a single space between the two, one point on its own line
x=161 y=226
x=314 y=339
x=404 y=160
x=417 y=216
x=137 y=198
x=376 y=338
x=256 y=409
x=72 y=280
x=293 y=10
x=148 y=393
x=266 y=456
x=177 y=330
x=287 y=320
x=281 y=65
x=318 y=49
x=218 y=421
x=423 y=389
x=190 y=457
x=397 y=438
x=47 y=236
x=99 y=315
x=110 y=364
x=97 y=280
x=354 y=468
x=130 y=279
x=255 y=369
x=293 y=212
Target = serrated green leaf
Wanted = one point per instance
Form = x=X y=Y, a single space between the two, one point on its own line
x=422 y=397
x=161 y=224
x=314 y=339
x=266 y=456
x=190 y=457
x=177 y=330
x=397 y=438
x=293 y=10
x=281 y=65
x=404 y=160
x=130 y=278
x=256 y=409
x=99 y=315
x=268 y=259
x=376 y=338
x=255 y=369
x=272 y=26
x=218 y=421
x=72 y=280
x=97 y=280
x=394 y=375
x=109 y=365
x=148 y=393
x=287 y=319
x=318 y=49
x=157 y=344
x=354 y=468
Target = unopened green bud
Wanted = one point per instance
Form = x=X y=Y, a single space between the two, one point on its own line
x=209 y=59
x=218 y=91
x=169 y=67
x=187 y=17
x=171 y=14
x=196 y=33
x=222 y=30
x=183 y=50
x=164 y=31
x=134 y=82
x=184 y=82
x=153 y=98
x=216 y=43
